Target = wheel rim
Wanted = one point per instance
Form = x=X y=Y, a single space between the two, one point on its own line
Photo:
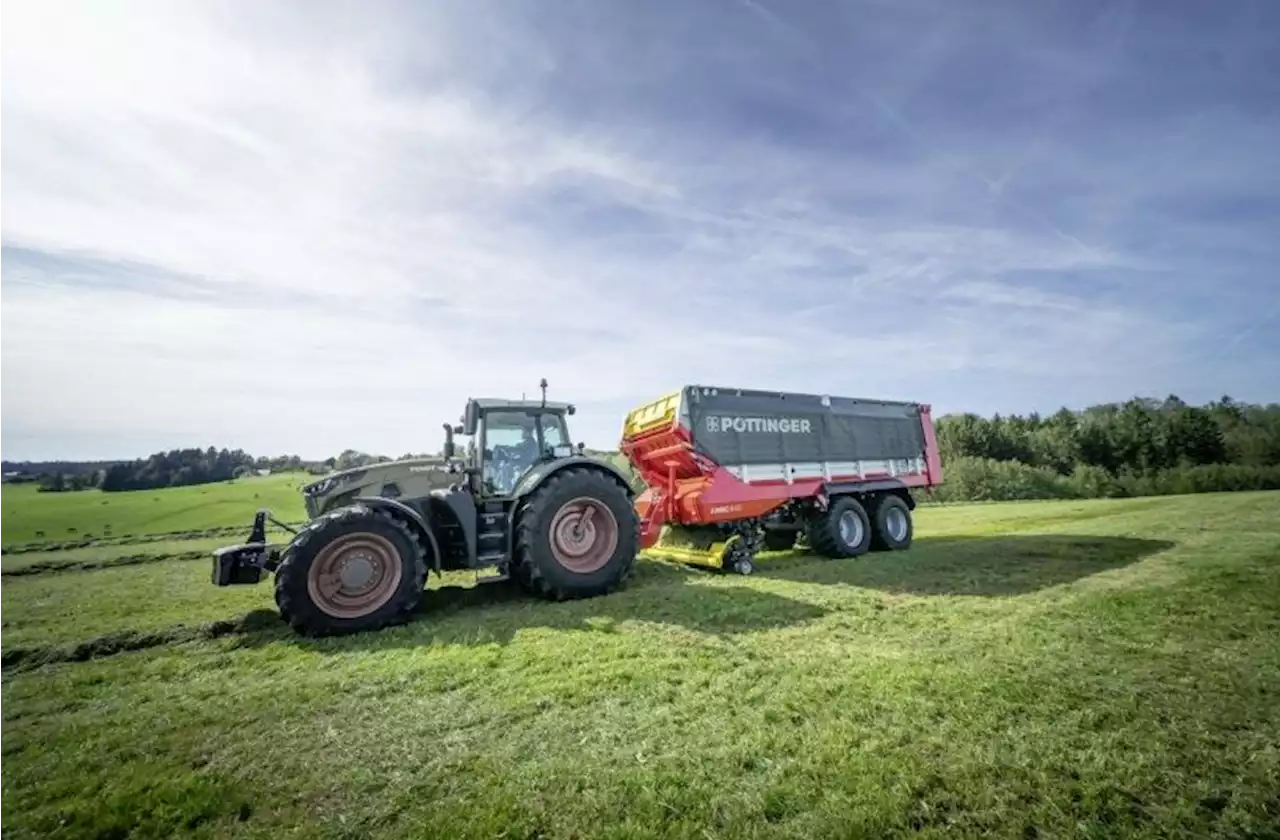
x=584 y=534
x=354 y=575
x=896 y=524
x=851 y=528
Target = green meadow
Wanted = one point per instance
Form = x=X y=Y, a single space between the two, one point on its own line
x=1103 y=668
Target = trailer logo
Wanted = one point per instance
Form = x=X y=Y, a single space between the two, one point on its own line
x=788 y=425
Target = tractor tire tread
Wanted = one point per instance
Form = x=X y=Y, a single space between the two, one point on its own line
x=525 y=569
x=309 y=621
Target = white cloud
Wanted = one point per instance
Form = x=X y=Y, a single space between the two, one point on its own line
x=376 y=233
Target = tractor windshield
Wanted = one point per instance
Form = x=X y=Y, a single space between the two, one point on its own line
x=511 y=445
x=510 y=441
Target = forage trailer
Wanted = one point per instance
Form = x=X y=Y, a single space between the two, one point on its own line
x=523 y=500
x=733 y=471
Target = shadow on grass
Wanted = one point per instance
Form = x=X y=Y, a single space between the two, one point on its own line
x=664 y=593
x=476 y=615
x=494 y=612
x=970 y=565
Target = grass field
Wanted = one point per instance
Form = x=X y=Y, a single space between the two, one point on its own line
x=29 y=514
x=1082 y=669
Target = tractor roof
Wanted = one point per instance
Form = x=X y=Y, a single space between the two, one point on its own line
x=494 y=402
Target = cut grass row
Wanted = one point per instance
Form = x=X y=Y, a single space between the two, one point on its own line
x=1095 y=670
x=128 y=540
x=31 y=516
x=129 y=554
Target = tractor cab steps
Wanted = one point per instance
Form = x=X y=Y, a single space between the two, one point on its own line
x=492 y=536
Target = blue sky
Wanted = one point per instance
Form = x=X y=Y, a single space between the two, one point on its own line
x=306 y=227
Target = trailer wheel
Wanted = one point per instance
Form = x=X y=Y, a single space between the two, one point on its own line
x=352 y=569
x=577 y=536
x=779 y=540
x=891 y=526
x=843 y=531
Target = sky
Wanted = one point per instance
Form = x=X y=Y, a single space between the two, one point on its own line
x=305 y=227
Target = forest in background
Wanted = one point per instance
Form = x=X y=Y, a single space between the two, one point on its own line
x=1141 y=447
x=174 y=468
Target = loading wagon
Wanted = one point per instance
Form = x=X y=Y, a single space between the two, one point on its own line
x=730 y=472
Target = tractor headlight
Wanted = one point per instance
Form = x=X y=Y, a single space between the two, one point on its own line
x=320 y=487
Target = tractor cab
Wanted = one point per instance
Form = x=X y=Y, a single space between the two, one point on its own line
x=509 y=438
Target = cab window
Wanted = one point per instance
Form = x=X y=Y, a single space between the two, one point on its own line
x=553 y=433
x=510 y=448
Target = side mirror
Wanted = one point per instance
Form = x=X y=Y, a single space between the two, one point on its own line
x=471 y=419
x=572 y=409
x=449 y=448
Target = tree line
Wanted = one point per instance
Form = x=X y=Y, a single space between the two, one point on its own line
x=174 y=468
x=1136 y=448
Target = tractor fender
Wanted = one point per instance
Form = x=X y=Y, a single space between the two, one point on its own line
x=415 y=519
x=541 y=472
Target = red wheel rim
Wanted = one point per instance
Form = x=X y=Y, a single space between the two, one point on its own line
x=584 y=534
x=354 y=575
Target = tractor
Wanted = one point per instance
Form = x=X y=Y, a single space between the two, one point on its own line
x=521 y=499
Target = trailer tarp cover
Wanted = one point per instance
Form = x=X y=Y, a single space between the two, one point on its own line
x=735 y=427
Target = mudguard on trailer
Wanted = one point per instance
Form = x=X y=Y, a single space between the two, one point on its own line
x=840 y=488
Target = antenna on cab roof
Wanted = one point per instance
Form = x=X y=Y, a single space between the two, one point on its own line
x=543 y=386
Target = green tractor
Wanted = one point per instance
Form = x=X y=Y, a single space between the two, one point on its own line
x=521 y=500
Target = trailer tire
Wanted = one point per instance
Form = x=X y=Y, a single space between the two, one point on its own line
x=891 y=526
x=779 y=540
x=388 y=551
x=843 y=531
x=577 y=536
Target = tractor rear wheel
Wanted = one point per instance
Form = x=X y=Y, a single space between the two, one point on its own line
x=353 y=569
x=843 y=531
x=577 y=536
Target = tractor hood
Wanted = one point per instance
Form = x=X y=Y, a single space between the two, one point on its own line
x=410 y=478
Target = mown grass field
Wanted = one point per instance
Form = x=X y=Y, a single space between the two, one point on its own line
x=1081 y=669
x=31 y=516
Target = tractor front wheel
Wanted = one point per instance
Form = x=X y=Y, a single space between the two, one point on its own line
x=353 y=569
x=577 y=536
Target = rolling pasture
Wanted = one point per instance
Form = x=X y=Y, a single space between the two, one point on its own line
x=1099 y=668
